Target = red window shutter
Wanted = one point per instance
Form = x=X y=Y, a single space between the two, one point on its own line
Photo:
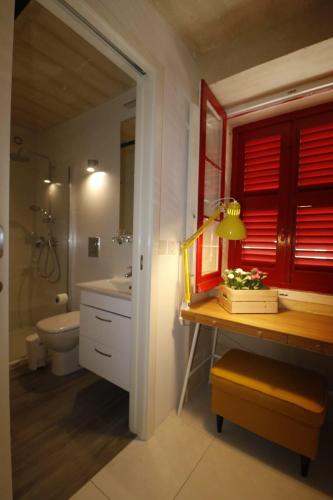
x=312 y=257
x=260 y=153
x=314 y=237
x=316 y=155
x=262 y=163
x=261 y=242
x=211 y=187
x=283 y=177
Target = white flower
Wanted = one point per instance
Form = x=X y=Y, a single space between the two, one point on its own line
x=239 y=270
x=243 y=272
x=231 y=276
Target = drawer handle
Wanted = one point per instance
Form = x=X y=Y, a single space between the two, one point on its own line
x=103 y=319
x=103 y=353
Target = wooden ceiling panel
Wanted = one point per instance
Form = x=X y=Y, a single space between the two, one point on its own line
x=56 y=74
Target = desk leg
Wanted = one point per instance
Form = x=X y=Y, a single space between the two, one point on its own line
x=213 y=355
x=188 y=368
x=213 y=347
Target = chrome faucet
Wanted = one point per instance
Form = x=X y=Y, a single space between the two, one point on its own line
x=129 y=272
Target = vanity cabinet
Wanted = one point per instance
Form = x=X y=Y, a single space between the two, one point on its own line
x=105 y=337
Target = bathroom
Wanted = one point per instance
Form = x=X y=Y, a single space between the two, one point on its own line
x=71 y=221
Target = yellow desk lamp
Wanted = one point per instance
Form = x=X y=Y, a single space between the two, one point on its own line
x=231 y=227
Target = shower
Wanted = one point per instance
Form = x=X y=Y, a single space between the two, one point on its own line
x=45 y=255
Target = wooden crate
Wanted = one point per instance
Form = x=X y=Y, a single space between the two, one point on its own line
x=248 y=301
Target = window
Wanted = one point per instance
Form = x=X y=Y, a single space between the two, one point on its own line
x=211 y=187
x=283 y=178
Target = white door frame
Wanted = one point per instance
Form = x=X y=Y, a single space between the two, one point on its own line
x=141 y=415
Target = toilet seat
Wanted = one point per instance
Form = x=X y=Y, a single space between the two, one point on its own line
x=60 y=323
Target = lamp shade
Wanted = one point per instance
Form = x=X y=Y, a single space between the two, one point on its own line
x=232 y=227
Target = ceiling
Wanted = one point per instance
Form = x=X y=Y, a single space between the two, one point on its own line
x=56 y=74
x=206 y=24
x=228 y=36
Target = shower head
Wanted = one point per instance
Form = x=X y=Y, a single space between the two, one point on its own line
x=19 y=156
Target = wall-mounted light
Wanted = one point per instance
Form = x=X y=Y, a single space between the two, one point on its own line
x=48 y=179
x=92 y=166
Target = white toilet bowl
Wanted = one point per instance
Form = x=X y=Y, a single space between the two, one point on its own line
x=60 y=333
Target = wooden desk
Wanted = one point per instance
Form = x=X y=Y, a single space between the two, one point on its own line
x=313 y=332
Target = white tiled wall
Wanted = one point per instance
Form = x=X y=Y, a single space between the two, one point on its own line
x=94 y=199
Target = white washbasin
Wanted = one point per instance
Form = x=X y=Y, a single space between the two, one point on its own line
x=110 y=286
x=121 y=284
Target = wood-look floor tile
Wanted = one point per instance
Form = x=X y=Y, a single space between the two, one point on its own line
x=64 y=430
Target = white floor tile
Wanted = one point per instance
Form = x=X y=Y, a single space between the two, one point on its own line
x=88 y=492
x=187 y=460
x=154 y=469
x=197 y=412
x=241 y=465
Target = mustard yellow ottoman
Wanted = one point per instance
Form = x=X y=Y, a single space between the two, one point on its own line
x=277 y=401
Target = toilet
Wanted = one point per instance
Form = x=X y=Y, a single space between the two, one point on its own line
x=60 y=334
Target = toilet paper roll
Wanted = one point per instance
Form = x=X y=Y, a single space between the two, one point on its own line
x=61 y=298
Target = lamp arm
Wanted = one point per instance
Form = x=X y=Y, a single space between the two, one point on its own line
x=188 y=243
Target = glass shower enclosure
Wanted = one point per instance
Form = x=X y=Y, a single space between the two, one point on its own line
x=39 y=230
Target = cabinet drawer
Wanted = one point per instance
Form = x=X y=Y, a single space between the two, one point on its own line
x=107 y=328
x=105 y=362
x=106 y=302
x=303 y=343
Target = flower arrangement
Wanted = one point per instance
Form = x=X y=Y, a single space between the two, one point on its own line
x=237 y=279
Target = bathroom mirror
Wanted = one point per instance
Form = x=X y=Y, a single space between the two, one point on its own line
x=127 y=150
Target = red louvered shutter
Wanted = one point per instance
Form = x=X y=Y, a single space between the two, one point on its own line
x=312 y=267
x=314 y=237
x=260 y=244
x=257 y=177
x=283 y=177
x=316 y=155
x=262 y=163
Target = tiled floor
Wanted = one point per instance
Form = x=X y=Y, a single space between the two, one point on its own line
x=64 y=430
x=186 y=460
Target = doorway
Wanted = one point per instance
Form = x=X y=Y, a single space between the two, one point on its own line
x=141 y=250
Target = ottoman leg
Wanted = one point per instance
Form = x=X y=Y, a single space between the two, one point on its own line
x=219 y=423
x=305 y=462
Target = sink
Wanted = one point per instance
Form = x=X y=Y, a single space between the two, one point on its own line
x=111 y=286
x=121 y=284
